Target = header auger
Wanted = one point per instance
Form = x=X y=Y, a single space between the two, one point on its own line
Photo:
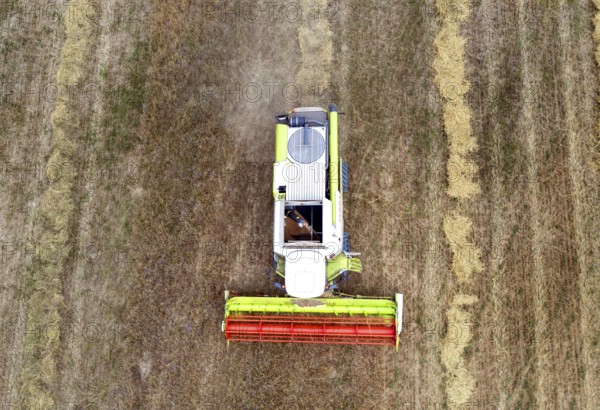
x=311 y=251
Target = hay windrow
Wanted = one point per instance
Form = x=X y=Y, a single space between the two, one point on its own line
x=448 y=64
x=459 y=382
x=42 y=337
x=465 y=254
x=462 y=185
x=452 y=84
x=453 y=11
x=460 y=177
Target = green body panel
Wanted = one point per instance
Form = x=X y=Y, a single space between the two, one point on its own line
x=334 y=163
x=341 y=263
x=385 y=308
x=335 y=266
x=281 y=133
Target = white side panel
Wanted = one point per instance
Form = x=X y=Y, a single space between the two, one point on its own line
x=279 y=175
x=339 y=216
x=278 y=239
x=331 y=240
x=399 y=311
x=328 y=232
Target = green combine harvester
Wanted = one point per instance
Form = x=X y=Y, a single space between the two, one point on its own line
x=311 y=251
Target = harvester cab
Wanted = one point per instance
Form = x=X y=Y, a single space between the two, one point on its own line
x=311 y=250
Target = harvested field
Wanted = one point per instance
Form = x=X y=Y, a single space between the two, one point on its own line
x=136 y=155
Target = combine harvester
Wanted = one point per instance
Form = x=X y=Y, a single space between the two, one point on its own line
x=311 y=251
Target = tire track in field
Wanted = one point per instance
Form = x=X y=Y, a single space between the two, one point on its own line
x=42 y=339
x=541 y=327
x=584 y=191
x=462 y=187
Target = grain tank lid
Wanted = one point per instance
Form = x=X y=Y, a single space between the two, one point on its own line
x=305 y=273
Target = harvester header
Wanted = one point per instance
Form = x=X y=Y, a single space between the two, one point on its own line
x=311 y=250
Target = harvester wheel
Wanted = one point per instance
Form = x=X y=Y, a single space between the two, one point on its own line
x=345 y=177
x=346 y=243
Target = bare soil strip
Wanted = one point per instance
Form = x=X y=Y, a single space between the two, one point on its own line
x=500 y=229
x=435 y=279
